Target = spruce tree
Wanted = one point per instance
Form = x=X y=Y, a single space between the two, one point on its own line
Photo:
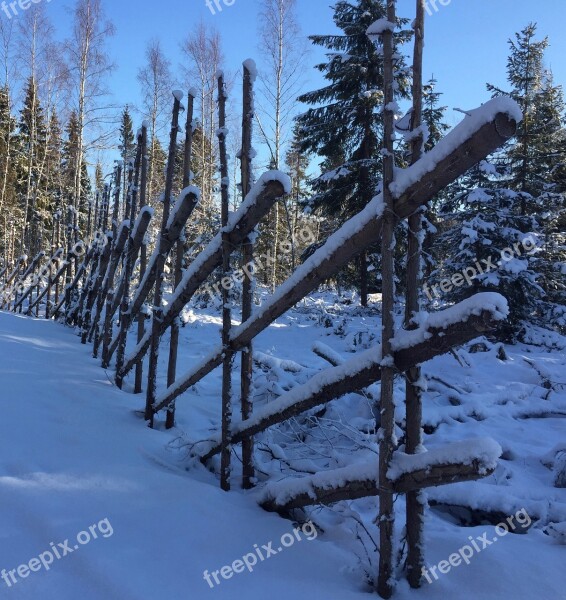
x=536 y=150
x=489 y=236
x=344 y=125
x=514 y=196
x=33 y=142
x=433 y=115
x=127 y=143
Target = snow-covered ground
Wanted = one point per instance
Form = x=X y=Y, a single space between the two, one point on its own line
x=75 y=453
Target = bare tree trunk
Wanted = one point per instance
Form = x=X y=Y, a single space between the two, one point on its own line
x=179 y=255
x=386 y=409
x=129 y=259
x=415 y=504
x=226 y=309
x=143 y=258
x=160 y=275
x=248 y=283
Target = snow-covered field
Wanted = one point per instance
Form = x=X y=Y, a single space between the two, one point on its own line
x=75 y=453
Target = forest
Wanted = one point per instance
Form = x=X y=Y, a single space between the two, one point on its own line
x=295 y=297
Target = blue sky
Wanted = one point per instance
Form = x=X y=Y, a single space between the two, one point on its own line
x=466 y=42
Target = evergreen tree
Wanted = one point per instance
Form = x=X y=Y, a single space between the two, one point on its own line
x=433 y=114
x=127 y=143
x=99 y=177
x=70 y=160
x=513 y=197
x=70 y=149
x=489 y=235
x=345 y=125
x=33 y=142
x=538 y=149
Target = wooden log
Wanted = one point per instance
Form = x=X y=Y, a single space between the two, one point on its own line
x=160 y=267
x=137 y=242
x=356 y=374
x=135 y=245
x=354 y=488
x=122 y=293
x=415 y=503
x=6 y=292
x=29 y=271
x=116 y=250
x=93 y=292
x=166 y=242
x=33 y=265
x=385 y=417
x=74 y=310
x=211 y=258
x=330 y=356
x=246 y=370
x=55 y=279
x=356 y=234
x=143 y=256
x=228 y=355
x=179 y=257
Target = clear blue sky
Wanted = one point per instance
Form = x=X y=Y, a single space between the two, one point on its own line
x=466 y=41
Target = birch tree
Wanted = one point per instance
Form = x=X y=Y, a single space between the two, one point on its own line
x=203 y=60
x=156 y=83
x=89 y=65
x=283 y=49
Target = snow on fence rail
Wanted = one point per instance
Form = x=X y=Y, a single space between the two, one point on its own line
x=467 y=460
x=271 y=187
x=480 y=133
x=436 y=336
x=471 y=141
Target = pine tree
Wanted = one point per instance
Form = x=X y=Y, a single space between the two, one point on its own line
x=345 y=125
x=71 y=148
x=535 y=165
x=98 y=177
